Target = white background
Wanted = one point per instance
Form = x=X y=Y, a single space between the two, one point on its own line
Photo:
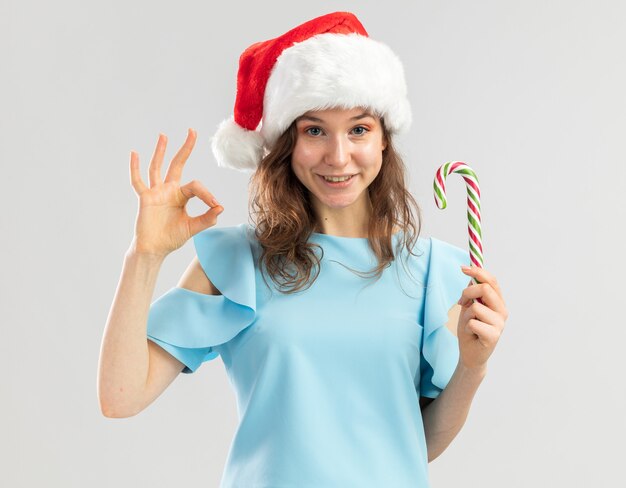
x=530 y=94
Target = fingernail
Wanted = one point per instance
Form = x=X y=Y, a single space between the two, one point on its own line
x=465 y=268
x=460 y=300
x=214 y=202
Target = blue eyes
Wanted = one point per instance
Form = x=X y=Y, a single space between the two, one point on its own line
x=310 y=129
x=317 y=130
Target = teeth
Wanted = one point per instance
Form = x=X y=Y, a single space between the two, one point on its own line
x=337 y=179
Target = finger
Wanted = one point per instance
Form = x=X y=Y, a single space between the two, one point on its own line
x=175 y=170
x=485 y=314
x=483 y=276
x=195 y=188
x=207 y=219
x=135 y=176
x=486 y=334
x=204 y=221
x=489 y=296
x=157 y=160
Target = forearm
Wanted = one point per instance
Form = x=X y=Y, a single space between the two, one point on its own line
x=444 y=417
x=124 y=357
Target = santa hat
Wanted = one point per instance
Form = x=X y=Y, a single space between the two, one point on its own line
x=327 y=62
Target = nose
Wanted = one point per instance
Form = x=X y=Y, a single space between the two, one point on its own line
x=338 y=151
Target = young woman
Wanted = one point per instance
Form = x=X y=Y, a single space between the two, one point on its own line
x=339 y=327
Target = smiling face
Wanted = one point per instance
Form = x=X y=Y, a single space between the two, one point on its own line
x=338 y=153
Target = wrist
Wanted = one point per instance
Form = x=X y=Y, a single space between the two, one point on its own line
x=474 y=371
x=134 y=254
x=142 y=254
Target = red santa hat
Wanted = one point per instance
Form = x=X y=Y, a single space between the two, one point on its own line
x=327 y=62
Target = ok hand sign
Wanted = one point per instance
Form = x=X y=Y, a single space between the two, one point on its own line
x=162 y=224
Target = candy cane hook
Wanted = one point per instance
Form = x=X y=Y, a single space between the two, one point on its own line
x=473 y=205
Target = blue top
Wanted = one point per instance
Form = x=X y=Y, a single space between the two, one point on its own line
x=327 y=379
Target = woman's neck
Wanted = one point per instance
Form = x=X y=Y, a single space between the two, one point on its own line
x=341 y=229
x=352 y=221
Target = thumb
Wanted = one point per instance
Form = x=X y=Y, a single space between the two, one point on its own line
x=206 y=220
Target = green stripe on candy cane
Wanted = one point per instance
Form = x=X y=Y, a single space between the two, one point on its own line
x=473 y=206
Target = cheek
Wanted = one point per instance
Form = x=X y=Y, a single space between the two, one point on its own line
x=298 y=164
x=303 y=153
x=371 y=157
x=302 y=159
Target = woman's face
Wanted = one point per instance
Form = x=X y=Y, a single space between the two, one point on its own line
x=339 y=143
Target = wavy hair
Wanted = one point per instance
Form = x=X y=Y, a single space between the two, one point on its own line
x=283 y=217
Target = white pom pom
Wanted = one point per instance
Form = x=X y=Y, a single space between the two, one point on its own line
x=237 y=148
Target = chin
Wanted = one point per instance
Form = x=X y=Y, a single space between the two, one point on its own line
x=337 y=203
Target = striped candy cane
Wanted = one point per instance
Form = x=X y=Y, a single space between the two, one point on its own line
x=473 y=206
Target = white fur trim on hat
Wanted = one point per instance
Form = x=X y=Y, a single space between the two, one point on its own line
x=236 y=147
x=335 y=70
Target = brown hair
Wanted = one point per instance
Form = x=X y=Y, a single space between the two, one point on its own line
x=283 y=217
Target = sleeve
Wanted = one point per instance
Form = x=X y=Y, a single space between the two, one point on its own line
x=188 y=324
x=445 y=283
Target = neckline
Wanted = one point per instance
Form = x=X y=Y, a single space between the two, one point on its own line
x=332 y=236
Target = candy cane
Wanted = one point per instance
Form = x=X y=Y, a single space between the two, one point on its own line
x=473 y=205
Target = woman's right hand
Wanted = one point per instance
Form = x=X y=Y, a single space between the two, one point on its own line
x=162 y=224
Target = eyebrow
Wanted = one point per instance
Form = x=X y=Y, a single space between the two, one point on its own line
x=315 y=119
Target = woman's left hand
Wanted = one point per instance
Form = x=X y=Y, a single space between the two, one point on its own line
x=480 y=326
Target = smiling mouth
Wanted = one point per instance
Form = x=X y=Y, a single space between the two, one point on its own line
x=337 y=182
x=336 y=179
